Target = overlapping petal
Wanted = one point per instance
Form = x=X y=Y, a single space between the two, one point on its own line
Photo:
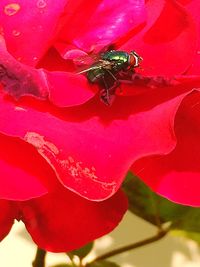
x=59 y=221
x=63 y=221
x=69 y=89
x=30 y=26
x=91 y=147
x=176 y=175
x=193 y=8
x=7 y=216
x=168 y=42
x=61 y=88
x=24 y=174
x=102 y=22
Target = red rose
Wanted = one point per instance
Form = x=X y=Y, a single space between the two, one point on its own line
x=35 y=186
x=83 y=145
x=175 y=174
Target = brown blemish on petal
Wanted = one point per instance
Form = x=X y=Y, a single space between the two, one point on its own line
x=79 y=171
x=18 y=79
x=68 y=166
x=38 y=141
x=152 y=82
x=19 y=82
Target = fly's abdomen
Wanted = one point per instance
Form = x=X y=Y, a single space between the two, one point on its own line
x=94 y=75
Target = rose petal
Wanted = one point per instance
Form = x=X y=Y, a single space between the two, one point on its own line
x=193 y=8
x=18 y=79
x=91 y=147
x=63 y=221
x=176 y=175
x=6 y=218
x=167 y=48
x=101 y=23
x=69 y=89
x=62 y=88
x=30 y=26
x=23 y=173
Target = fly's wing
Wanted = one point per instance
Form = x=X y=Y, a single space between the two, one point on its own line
x=86 y=60
x=101 y=64
x=93 y=56
x=85 y=63
x=87 y=69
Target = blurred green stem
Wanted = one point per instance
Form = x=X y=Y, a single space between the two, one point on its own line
x=71 y=257
x=161 y=233
x=39 y=260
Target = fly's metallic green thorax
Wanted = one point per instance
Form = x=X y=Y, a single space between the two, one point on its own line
x=120 y=58
x=116 y=55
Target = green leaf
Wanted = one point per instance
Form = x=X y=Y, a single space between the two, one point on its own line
x=189 y=235
x=84 y=251
x=184 y=220
x=189 y=222
x=151 y=207
x=102 y=264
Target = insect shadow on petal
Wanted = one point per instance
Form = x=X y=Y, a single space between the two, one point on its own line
x=105 y=70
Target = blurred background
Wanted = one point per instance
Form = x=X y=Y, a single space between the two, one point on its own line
x=18 y=250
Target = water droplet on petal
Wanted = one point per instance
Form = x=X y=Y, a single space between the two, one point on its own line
x=35 y=58
x=16 y=33
x=41 y=3
x=11 y=9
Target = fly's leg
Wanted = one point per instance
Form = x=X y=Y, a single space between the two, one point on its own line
x=116 y=81
x=106 y=97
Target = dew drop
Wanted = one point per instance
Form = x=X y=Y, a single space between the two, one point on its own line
x=11 y=9
x=16 y=33
x=41 y=3
x=35 y=58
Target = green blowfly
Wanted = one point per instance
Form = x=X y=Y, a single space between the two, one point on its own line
x=104 y=71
